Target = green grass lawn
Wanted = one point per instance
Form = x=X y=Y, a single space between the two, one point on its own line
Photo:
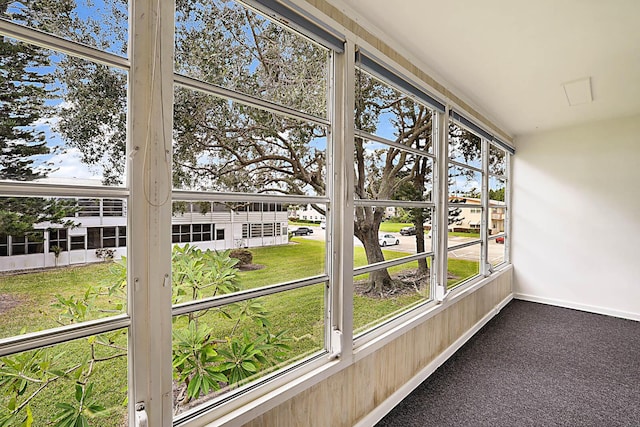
x=393 y=227
x=300 y=312
x=459 y=234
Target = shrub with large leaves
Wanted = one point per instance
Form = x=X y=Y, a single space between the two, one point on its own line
x=205 y=359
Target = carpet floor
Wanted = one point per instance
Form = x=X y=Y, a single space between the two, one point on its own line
x=534 y=365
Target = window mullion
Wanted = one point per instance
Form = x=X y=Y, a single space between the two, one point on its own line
x=340 y=223
x=485 y=265
x=439 y=236
x=507 y=213
x=149 y=211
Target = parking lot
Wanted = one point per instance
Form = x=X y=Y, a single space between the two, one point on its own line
x=408 y=244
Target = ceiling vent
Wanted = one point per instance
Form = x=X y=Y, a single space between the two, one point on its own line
x=578 y=91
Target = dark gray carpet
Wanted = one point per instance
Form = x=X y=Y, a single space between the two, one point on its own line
x=534 y=365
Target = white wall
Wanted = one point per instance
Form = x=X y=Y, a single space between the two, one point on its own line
x=576 y=217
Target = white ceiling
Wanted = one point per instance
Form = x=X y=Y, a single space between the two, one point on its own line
x=509 y=58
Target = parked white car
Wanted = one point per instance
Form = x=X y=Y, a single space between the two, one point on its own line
x=388 y=239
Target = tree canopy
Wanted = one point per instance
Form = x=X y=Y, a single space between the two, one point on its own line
x=24 y=91
x=223 y=145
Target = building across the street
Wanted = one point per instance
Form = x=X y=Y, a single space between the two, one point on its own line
x=100 y=231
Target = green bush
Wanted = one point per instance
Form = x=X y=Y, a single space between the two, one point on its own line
x=244 y=256
x=203 y=361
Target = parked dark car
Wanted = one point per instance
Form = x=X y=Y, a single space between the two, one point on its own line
x=302 y=231
x=408 y=231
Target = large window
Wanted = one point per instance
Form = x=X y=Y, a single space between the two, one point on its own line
x=259 y=131
x=63 y=112
x=466 y=204
x=394 y=170
x=216 y=221
x=498 y=205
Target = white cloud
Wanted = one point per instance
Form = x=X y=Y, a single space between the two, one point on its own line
x=69 y=165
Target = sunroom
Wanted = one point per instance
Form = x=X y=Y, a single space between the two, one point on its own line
x=157 y=157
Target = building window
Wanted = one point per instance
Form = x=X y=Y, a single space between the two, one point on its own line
x=256 y=230
x=30 y=243
x=58 y=237
x=181 y=233
x=77 y=242
x=109 y=237
x=88 y=207
x=122 y=236
x=4 y=245
x=112 y=207
x=201 y=232
x=105 y=237
x=267 y=230
x=219 y=233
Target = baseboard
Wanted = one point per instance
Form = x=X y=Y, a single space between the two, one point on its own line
x=381 y=410
x=576 y=306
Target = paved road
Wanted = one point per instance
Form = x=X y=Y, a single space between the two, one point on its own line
x=408 y=244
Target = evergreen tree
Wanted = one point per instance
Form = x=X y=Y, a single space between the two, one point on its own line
x=23 y=93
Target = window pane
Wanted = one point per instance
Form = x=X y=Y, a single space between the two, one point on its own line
x=112 y=207
x=281 y=329
x=88 y=207
x=402 y=231
x=497 y=188
x=122 y=236
x=464 y=146
x=4 y=245
x=223 y=43
x=464 y=183
x=58 y=238
x=497 y=160
x=69 y=118
x=18 y=246
x=464 y=223
x=69 y=294
x=77 y=242
x=225 y=146
x=96 y=372
x=497 y=219
x=94 y=238
x=109 y=237
x=100 y=24
x=35 y=242
x=462 y=264
x=497 y=250
x=387 y=173
x=407 y=285
x=384 y=111
x=253 y=234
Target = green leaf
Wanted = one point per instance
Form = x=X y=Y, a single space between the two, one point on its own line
x=249 y=366
x=193 y=390
x=65 y=406
x=81 y=421
x=28 y=421
x=95 y=409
